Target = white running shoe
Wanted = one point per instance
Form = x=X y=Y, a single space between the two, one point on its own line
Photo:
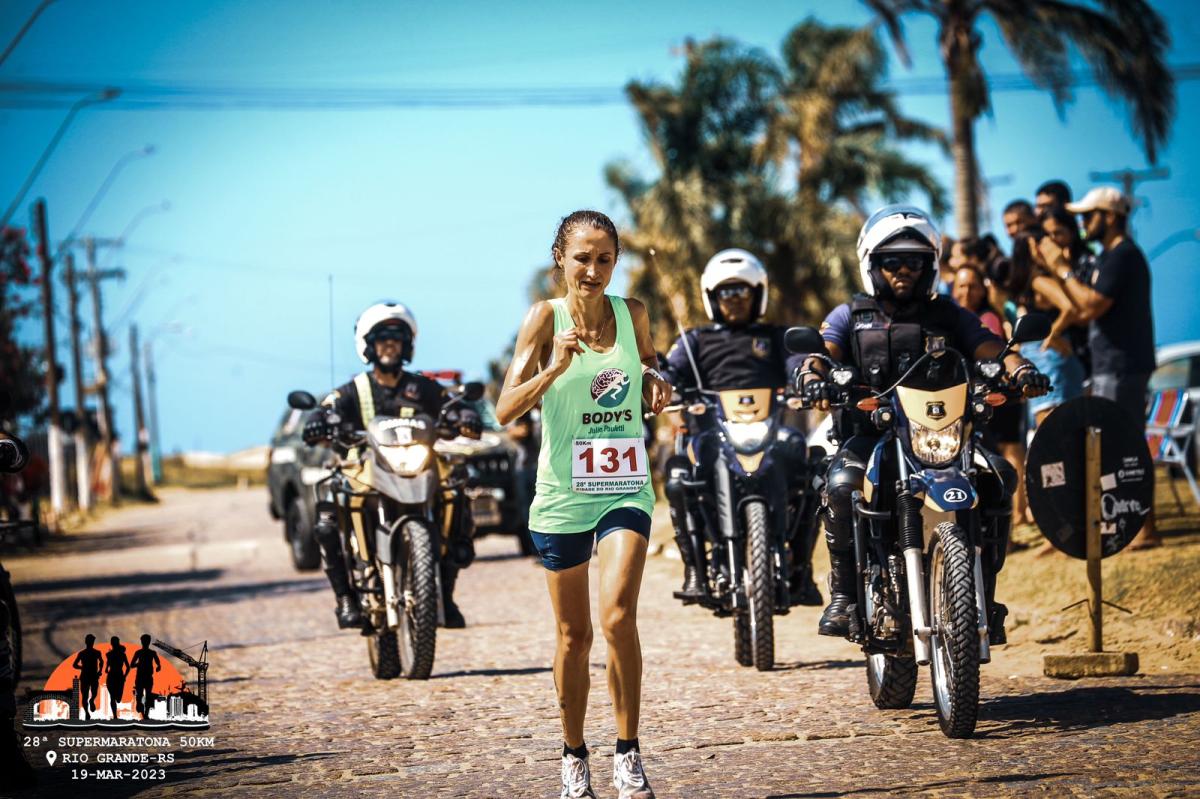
x=629 y=778
x=576 y=778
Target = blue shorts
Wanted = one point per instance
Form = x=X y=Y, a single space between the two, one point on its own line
x=1065 y=372
x=563 y=550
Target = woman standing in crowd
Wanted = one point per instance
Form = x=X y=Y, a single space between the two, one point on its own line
x=1055 y=355
x=588 y=358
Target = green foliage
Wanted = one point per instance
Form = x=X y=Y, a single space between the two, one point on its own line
x=21 y=378
x=726 y=139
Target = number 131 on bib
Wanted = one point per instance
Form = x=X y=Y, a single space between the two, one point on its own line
x=608 y=465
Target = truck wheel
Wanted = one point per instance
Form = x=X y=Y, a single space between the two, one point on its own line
x=306 y=556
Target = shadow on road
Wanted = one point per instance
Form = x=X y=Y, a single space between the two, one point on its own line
x=1083 y=708
x=818 y=665
x=912 y=787
x=118 y=580
x=493 y=672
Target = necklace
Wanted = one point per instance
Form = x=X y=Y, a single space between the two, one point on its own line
x=594 y=340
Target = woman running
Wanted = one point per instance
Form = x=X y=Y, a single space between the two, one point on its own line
x=588 y=357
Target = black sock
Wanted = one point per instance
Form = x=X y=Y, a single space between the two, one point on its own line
x=624 y=746
x=581 y=752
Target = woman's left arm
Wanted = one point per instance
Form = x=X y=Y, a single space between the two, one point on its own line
x=655 y=390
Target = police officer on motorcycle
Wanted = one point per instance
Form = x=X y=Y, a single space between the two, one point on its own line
x=736 y=351
x=384 y=336
x=881 y=332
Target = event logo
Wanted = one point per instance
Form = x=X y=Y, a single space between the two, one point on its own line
x=117 y=685
x=610 y=387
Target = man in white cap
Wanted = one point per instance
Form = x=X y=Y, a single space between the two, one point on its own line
x=1117 y=307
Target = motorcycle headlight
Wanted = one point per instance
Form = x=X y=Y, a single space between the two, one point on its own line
x=405 y=459
x=936 y=447
x=748 y=436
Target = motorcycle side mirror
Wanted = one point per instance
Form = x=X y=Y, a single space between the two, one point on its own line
x=473 y=391
x=803 y=340
x=1033 y=326
x=301 y=400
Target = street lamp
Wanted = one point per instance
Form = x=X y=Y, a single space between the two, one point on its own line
x=100 y=97
x=121 y=163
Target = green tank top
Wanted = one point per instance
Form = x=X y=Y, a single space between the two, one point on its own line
x=593 y=457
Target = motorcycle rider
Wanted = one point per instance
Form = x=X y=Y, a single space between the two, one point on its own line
x=736 y=351
x=384 y=335
x=881 y=332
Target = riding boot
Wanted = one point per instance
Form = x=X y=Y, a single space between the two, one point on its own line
x=997 y=635
x=691 y=591
x=801 y=588
x=454 y=617
x=349 y=614
x=836 y=618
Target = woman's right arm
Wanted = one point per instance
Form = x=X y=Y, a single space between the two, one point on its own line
x=524 y=384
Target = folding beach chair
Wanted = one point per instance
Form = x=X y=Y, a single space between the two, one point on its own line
x=1168 y=436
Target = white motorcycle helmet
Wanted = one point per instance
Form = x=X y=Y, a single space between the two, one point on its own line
x=898 y=228
x=378 y=314
x=728 y=265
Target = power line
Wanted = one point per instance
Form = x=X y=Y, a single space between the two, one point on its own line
x=32 y=94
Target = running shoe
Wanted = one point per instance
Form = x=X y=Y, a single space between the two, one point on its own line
x=576 y=778
x=629 y=778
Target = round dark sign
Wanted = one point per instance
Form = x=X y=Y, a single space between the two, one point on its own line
x=1056 y=482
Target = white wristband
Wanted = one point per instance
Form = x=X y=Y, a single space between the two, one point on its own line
x=649 y=370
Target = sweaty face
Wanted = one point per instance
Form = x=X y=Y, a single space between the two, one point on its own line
x=968 y=289
x=734 y=298
x=587 y=260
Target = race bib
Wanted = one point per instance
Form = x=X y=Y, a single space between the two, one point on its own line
x=608 y=465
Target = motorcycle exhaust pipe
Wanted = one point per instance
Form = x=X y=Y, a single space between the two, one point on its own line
x=915 y=573
x=985 y=649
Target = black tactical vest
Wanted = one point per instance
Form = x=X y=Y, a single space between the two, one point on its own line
x=884 y=347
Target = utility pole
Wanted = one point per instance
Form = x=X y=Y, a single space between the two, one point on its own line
x=1129 y=178
x=141 y=437
x=58 y=475
x=83 y=461
x=104 y=414
x=152 y=390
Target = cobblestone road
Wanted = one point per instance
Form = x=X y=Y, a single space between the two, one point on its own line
x=295 y=711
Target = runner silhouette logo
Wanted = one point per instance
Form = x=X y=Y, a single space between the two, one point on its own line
x=610 y=387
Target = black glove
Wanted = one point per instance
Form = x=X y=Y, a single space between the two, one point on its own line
x=816 y=390
x=1032 y=382
x=317 y=430
x=465 y=421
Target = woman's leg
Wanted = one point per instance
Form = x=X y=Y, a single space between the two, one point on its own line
x=622 y=558
x=573 y=617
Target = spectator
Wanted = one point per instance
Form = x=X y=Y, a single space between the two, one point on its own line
x=1050 y=194
x=1054 y=356
x=1116 y=303
x=1019 y=218
x=1063 y=245
x=1007 y=425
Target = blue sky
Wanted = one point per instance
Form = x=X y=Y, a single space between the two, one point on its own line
x=448 y=210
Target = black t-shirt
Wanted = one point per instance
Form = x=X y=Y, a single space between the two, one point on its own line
x=752 y=356
x=411 y=391
x=1122 y=341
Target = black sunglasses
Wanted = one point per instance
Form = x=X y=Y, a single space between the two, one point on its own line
x=914 y=261
x=729 y=292
x=390 y=333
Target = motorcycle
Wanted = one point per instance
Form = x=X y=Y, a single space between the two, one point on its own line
x=14 y=456
x=391 y=509
x=741 y=519
x=919 y=534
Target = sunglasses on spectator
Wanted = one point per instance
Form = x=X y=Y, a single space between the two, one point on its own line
x=913 y=261
x=730 y=292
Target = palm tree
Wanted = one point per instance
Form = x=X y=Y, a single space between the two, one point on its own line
x=1123 y=41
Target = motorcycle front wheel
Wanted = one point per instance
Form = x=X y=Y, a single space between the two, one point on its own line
x=760 y=585
x=954 y=619
x=417 y=587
